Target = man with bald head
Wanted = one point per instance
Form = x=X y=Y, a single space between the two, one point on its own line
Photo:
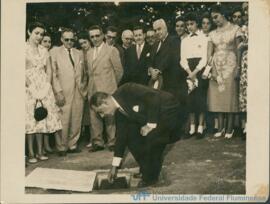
x=127 y=38
x=165 y=62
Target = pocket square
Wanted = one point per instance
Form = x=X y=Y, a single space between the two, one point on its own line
x=135 y=108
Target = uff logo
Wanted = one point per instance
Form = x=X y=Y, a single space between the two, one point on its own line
x=142 y=195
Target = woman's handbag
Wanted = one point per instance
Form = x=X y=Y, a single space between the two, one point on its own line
x=40 y=112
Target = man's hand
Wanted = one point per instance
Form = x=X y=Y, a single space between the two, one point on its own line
x=192 y=76
x=60 y=99
x=145 y=130
x=112 y=174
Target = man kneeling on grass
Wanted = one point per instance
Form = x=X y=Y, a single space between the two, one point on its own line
x=146 y=121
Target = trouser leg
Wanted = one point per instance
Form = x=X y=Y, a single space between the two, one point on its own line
x=96 y=128
x=75 y=120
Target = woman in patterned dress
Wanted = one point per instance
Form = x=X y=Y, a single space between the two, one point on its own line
x=38 y=86
x=223 y=89
x=242 y=57
x=47 y=43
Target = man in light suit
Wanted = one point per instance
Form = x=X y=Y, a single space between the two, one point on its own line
x=69 y=88
x=105 y=71
x=137 y=59
x=146 y=121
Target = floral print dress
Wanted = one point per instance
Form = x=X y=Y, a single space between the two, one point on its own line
x=243 y=74
x=38 y=87
x=223 y=90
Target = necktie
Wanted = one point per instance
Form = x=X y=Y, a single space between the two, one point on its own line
x=70 y=57
x=159 y=45
x=139 y=51
x=95 y=52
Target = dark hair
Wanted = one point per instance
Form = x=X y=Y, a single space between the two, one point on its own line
x=237 y=9
x=150 y=29
x=65 y=30
x=219 y=9
x=47 y=34
x=206 y=15
x=180 y=18
x=192 y=16
x=112 y=29
x=96 y=27
x=83 y=35
x=34 y=25
x=139 y=27
x=98 y=99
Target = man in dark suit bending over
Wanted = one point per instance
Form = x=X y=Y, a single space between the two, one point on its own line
x=146 y=121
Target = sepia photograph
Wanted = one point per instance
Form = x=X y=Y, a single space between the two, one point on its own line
x=148 y=100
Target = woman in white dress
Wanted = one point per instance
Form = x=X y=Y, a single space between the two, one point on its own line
x=38 y=87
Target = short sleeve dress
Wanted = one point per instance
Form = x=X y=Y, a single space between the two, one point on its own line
x=39 y=88
x=223 y=92
x=243 y=75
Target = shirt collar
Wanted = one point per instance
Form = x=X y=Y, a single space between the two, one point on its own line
x=100 y=46
x=165 y=38
x=142 y=45
x=116 y=103
x=71 y=49
x=198 y=32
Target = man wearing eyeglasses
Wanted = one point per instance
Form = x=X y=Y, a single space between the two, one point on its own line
x=111 y=39
x=68 y=84
x=105 y=71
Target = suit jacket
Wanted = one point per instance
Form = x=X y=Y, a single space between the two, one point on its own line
x=105 y=71
x=65 y=76
x=136 y=70
x=144 y=105
x=167 y=60
x=121 y=53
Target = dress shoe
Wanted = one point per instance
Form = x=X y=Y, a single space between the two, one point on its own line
x=229 y=135
x=219 y=134
x=96 y=148
x=111 y=148
x=62 y=153
x=187 y=136
x=73 y=151
x=199 y=136
x=32 y=160
x=137 y=175
x=89 y=145
x=143 y=184
x=42 y=157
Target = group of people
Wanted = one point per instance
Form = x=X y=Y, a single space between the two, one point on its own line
x=204 y=67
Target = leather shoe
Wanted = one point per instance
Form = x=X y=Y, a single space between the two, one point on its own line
x=142 y=183
x=96 y=148
x=111 y=148
x=62 y=153
x=188 y=136
x=73 y=151
x=199 y=136
x=137 y=175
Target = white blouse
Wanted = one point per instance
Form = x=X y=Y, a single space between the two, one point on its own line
x=194 y=47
